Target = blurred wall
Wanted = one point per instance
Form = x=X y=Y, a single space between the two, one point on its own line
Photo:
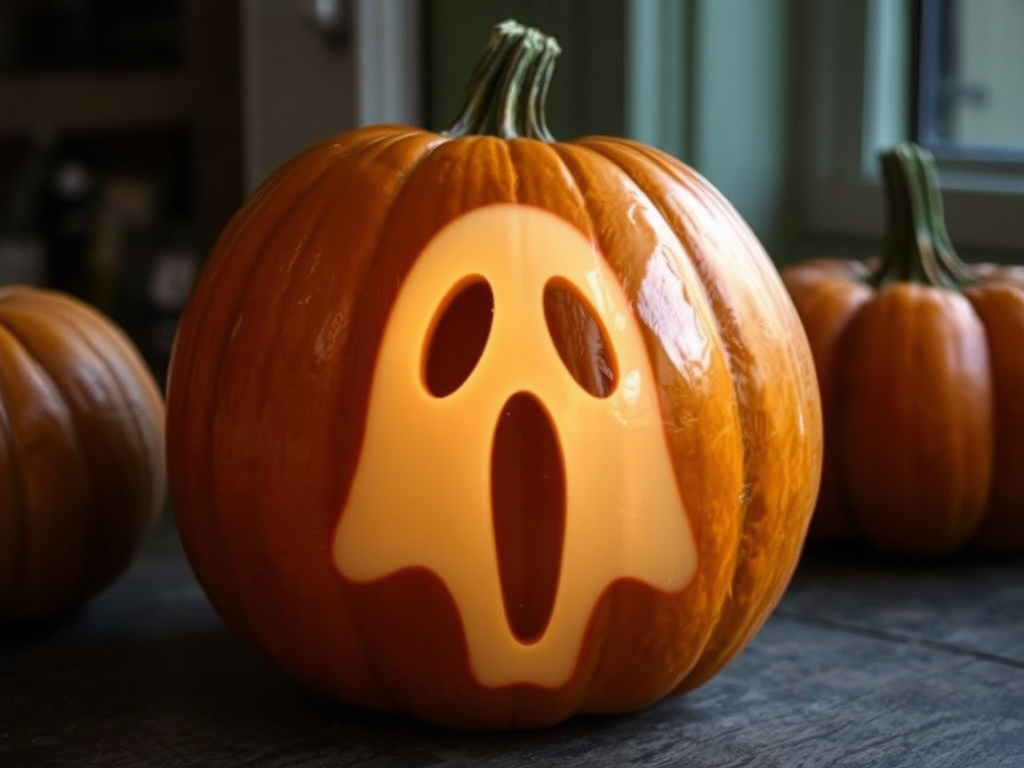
x=297 y=87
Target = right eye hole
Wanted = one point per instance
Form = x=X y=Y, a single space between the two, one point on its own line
x=458 y=337
x=581 y=338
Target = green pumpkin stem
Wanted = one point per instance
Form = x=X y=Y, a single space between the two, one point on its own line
x=917 y=246
x=508 y=88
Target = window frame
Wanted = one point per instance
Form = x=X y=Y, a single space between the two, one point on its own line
x=927 y=20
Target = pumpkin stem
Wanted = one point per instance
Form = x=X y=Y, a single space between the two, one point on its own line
x=917 y=244
x=508 y=89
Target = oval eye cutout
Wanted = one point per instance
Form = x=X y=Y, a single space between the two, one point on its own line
x=458 y=336
x=580 y=338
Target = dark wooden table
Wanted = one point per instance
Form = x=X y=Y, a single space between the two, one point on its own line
x=865 y=663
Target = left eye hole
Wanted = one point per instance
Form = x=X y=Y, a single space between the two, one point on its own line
x=580 y=338
x=458 y=337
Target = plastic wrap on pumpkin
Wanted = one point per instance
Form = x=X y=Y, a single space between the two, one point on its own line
x=491 y=428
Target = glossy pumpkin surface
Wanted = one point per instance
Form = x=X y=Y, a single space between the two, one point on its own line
x=81 y=452
x=920 y=363
x=322 y=315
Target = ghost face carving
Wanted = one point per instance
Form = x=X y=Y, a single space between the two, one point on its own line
x=444 y=446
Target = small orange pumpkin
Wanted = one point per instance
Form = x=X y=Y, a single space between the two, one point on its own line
x=81 y=452
x=383 y=474
x=920 y=363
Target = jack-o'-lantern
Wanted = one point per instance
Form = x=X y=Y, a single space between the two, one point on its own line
x=491 y=428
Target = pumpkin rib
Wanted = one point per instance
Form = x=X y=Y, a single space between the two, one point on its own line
x=107 y=349
x=219 y=278
x=773 y=584
x=546 y=193
x=488 y=159
x=318 y=193
x=739 y=620
x=621 y=167
x=58 y=410
x=610 y=603
x=218 y=534
x=613 y=152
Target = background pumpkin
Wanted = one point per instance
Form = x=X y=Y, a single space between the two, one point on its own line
x=81 y=452
x=272 y=368
x=920 y=363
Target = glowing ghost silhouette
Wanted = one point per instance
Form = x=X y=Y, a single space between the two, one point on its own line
x=421 y=496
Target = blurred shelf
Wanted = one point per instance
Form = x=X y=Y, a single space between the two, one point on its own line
x=82 y=101
x=120 y=149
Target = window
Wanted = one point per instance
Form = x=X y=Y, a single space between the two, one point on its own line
x=856 y=96
x=970 y=78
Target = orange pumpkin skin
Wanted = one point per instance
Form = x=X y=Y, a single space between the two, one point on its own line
x=919 y=378
x=82 y=473
x=273 y=366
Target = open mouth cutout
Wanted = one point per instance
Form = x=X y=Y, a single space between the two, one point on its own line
x=528 y=489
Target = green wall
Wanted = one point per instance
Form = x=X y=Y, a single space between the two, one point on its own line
x=738 y=108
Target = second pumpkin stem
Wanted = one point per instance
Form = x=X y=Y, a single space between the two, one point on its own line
x=917 y=245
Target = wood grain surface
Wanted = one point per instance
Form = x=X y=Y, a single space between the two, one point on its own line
x=865 y=663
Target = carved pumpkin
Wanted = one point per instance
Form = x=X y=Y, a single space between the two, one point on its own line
x=920 y=363
x=81 y=452
x=491 y=428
